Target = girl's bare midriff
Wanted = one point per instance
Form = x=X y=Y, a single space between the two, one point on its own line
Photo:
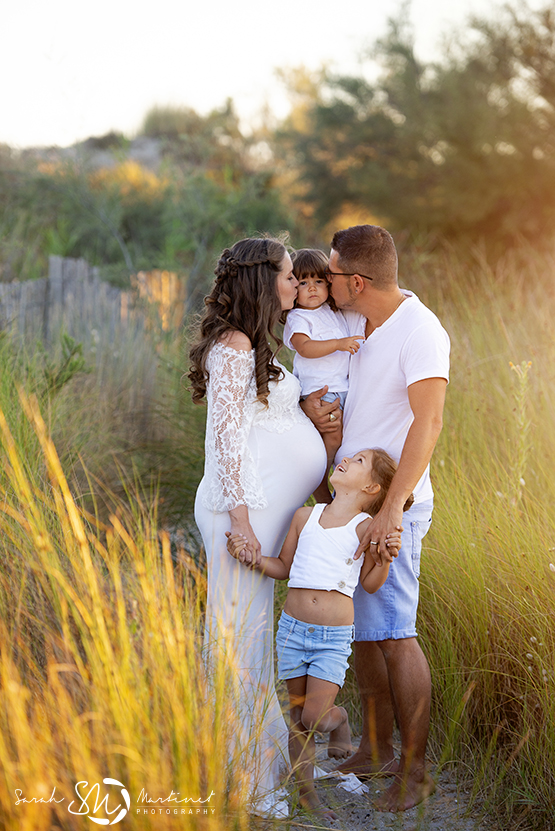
x=324 y=608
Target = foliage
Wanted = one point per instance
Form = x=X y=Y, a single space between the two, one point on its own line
x=461 y=146
x=214 y=142
x=207 y=193
x=57 y=374
x=101 y=672
x=488 y=578
x=486 y=615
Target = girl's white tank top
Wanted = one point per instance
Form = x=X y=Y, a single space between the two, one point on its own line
x=324 y=556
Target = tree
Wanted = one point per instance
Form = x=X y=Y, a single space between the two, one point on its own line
x=205 y=195
x=464 y=145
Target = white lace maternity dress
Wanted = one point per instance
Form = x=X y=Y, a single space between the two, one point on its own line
x=270 y=459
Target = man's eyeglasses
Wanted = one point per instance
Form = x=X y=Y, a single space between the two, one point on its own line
x=329 y=273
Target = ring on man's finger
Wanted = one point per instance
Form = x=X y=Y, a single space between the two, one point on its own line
x=332 y=417
x=373 y=542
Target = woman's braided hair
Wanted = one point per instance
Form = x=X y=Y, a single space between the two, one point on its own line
x=244 y=298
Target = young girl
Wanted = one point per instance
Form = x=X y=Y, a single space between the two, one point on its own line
x=318 y=334
x=316 y=626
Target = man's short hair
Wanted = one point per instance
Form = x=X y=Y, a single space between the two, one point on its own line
x=369 y=250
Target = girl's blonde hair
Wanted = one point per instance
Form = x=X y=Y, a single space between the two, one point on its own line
x=383 y=471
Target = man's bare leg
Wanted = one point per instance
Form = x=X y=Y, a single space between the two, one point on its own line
x=410 y=685
x=375 y=753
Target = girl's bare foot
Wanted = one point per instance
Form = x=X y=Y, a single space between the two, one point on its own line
x=362 y=764
x=310 y=801
x=340 y=746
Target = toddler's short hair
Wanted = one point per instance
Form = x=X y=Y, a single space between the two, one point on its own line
x=308 y=261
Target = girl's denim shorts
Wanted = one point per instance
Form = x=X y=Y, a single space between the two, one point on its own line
x=308 y=649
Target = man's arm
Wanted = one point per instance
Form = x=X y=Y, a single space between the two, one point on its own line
x=426 y=400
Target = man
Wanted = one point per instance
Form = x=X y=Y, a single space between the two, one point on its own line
x=397 y=386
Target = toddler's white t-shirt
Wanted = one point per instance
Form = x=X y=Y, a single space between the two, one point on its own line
x=319 y=324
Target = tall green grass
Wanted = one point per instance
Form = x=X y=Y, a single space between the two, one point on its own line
x=101 y=620
x=487 y=610
x=101 y=671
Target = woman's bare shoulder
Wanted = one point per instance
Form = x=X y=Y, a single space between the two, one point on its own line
x=236 y=340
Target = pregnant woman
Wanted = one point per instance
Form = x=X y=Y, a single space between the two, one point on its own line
x=263 y=459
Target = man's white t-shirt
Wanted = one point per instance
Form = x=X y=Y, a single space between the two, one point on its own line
x=410 y=346
x=319 y=324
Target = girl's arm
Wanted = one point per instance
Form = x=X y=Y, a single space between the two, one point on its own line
x=276 y=567
x=372 y=576
x=319 y=348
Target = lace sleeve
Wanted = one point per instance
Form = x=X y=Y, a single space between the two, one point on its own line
x=230 y=471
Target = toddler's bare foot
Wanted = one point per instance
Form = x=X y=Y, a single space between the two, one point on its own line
x=362 y=764
x=405 y=793
x=340 y=746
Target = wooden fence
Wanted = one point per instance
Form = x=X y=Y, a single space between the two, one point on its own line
x=74 y=298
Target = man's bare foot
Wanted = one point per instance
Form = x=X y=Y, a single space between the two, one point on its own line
x=310 y=801
x=363 y=765
x=405 y=793
x=340 y=746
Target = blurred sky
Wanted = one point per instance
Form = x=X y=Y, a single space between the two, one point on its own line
x=72 y=69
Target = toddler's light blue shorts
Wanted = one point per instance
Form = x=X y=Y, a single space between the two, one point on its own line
x=331 y=396
x=308 y=649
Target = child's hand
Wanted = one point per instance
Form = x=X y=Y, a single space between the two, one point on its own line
x=393 y=543
x=351 y=344
x=238 y=548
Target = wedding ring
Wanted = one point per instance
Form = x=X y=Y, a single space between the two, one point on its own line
x=332 y=417
x=373 y=543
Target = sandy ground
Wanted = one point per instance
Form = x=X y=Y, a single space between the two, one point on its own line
x=445 y=810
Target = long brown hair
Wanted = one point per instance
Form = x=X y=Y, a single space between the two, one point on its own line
x=244 y=298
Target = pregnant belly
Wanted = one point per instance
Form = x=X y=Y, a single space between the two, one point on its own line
x=291 y=464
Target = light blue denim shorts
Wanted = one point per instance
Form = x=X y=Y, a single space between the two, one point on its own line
x=308 y=649
x=331 y=396
x=390 y=613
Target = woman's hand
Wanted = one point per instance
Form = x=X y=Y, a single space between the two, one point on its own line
x=240 y=526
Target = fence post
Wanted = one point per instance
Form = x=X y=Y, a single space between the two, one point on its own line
x=53 y=309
